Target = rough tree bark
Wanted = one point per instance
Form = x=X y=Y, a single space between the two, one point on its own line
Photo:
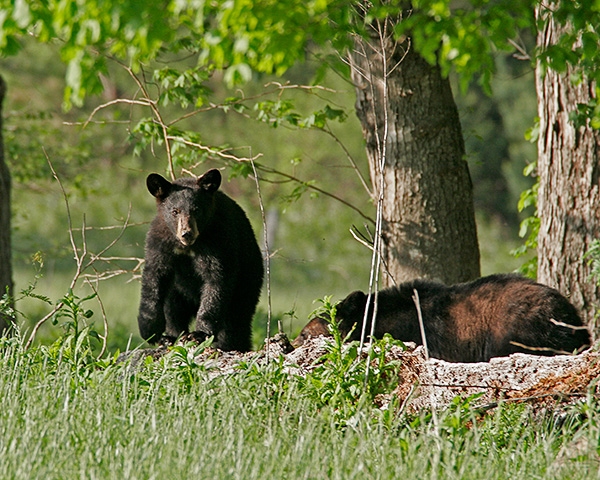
x=5 y=247
x=429 y=226
x=569 y=176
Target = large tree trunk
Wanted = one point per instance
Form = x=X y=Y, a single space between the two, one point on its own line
x=5 y=249
x=569 y=173
x=429 y=226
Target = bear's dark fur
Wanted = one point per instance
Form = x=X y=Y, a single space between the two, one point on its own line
x=202 y=262
x=493 y=316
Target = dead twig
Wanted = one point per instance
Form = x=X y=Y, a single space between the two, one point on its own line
x=360 y=238
x=114 y=241
x=158 y=116
x=267 y=258
x=310 y=186
x=417 y=302
x=541 y=349
x=78 y=258
x=222 y=153
x=567 y=325
x=143 y=103
x=83 y=261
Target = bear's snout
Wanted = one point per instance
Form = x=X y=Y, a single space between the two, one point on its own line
x=317 y=326
x=187 y=231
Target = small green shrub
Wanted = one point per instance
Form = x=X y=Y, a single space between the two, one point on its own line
x=346 y=379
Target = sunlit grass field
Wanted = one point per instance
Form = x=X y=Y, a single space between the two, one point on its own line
x=65 y=415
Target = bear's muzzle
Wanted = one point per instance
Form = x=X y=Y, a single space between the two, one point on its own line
x=187 y=231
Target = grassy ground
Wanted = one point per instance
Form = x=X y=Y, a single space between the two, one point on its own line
x=66 y=416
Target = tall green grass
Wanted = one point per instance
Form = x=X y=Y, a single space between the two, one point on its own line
x=67 y=415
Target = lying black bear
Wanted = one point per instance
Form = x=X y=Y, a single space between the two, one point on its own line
x=493 y=316
x=202 y=262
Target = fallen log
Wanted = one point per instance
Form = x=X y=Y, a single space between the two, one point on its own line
x=432 y=383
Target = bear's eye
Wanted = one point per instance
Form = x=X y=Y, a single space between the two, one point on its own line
x=175 y=212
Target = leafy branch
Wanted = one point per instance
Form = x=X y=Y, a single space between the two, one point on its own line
x=186 y=88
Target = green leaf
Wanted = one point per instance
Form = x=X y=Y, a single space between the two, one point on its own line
x=22 y=14
x=589 y=40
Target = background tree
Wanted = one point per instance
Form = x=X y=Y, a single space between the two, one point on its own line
x=568 y=150
x=496 y=171
x=412 y=129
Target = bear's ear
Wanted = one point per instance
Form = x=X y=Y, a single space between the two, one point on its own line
x=356 y=298
x=158 y=186
x=210 y=181
x=354 y=302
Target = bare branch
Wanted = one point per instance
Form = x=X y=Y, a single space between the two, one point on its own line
x=360 y=238
x=81 y=264
x=289 y=86
x=522 y=53
x=143 y=103
x=267 y=258
x=114 y=227
x=351 y=160
x=278 y=87
x=313 y=187
x=158 y=116
x=78 y=258
x=115 y=240
x=219 y=153
x=404 y=54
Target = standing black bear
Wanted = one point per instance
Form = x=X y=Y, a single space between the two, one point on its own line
x=202 y=262
x=470 y=322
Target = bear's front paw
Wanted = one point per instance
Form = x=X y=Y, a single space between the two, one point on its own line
x=166 y=341
x=196 y=336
